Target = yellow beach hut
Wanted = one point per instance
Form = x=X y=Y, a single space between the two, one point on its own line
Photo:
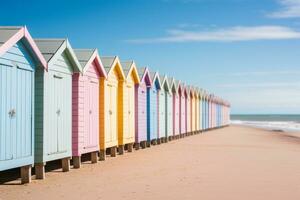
x=127 y=108
x=193 y=113
x=196 y=95
x=111 y=89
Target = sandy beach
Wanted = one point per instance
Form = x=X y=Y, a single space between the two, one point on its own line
x=230 y=163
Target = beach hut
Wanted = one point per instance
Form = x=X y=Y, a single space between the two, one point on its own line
x=176 y=108
x=152 y=109
x=85 y=105
x=111 y=100
x=197 y=129
x=165 y=110
x=200 y=109
x=141 y=104
x=210 y=111
x=188 y=110
x=193 y=116
x=205 y=108
x=127 y=117
x=53 y=112
x=19 y=59
x=182 y=109
x=169 y=110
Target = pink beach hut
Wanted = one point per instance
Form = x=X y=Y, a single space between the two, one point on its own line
x=182 y=109
x=85 y=105
x=141 y=105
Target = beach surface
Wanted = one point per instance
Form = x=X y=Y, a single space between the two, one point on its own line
x=229 y=163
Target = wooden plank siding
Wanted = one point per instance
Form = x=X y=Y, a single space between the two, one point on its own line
x=19 y=59
x=141 y=104
x=85 y=103
x=54 y=99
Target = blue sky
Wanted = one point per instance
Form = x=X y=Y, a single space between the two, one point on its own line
x=246 y=51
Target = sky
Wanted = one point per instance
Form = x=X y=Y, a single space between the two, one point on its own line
x=245 y=51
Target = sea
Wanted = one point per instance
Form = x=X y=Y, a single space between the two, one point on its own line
x=286 y=123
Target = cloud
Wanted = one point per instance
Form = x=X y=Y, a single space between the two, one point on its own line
x=232 y=34
x=290 y=9
x=294 y=85
x=266 y=73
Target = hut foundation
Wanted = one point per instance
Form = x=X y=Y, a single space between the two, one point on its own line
x=158 y=141
x=40 y=171
x=65 y=162
x=102 y=155
x=143 y=144
x=149 y=144
x=113 y=151
x=137 y=146
x=94 y=157
x=76 y=162
x=130 y=147
x=26 y=174
x=121 y=149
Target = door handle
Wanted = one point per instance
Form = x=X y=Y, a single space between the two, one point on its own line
x=12 y=113
x=58 y=112
x=90 y=112
x=110 y=112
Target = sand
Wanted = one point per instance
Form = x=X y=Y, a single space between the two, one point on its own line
x=230 y=163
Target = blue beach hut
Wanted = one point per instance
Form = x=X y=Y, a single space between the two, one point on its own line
x=152 y=109
x=19 y=58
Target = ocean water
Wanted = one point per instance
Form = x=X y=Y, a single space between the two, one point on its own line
x=287 y=123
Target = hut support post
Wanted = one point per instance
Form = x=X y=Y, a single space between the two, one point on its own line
x=65 y=162
x=159 y=141
x=77 y=162
x=113 y=151
x=130 y=147
x=94 y=157
x=102 y=155
x=148 y=144
x=121 y=149
x=137 y=146
x=143 y=144
x=26 y=174
x=40 y=171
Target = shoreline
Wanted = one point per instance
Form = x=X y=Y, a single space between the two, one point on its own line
x=234 y=162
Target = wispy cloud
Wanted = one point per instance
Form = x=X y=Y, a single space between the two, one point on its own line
x=231 y=34
x=290 y=9
x=294 y=85
x=266 y=73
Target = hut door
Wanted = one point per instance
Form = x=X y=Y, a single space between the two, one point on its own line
x=112 y=117
x=130 y=113
x=58 y=94
x=91 y=116
x=170 y=119
x=162 y=119
x=7 y=103
x=16 y=112
x=153 y=117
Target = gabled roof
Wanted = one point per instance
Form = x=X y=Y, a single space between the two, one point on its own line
x=196 y=92
x=129 y=67
x=52 y=48
x=176 y=85
x=110 y=62
x=86 y=57
x=9 y=36
x=164 y=81
x=172 y=85
x=155 y=76
x=144 y=75
x=181 y=87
